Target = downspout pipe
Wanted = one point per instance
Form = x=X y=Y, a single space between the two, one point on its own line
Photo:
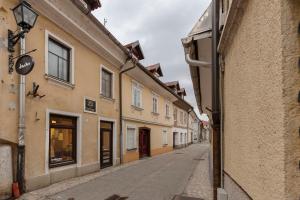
x=21 y=127
x=187 y=44
x=196 y=63
x=218 y=174
x=188 y=122
x=130 y=57
x=222 y=117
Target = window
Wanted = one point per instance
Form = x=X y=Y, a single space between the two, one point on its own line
x=154 y=104
x=106 y=83
x=62 y=143
x=175 y=114
x=165 y=137
x=131 y=138
x=185 y=118
x=181 y=117
x=167 y=110
x=58 y=60
x=136 y=95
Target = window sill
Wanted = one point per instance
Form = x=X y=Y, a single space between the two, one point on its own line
x=134 y=149
x=62 y=164
x=107 y=98
x=137 y=108
x=154 y=113
x=55 y=80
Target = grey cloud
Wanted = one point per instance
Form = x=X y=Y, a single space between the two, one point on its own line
x=158 y=25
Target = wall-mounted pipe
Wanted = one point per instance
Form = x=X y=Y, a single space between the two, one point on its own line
x=120 y=103
x=196 y=63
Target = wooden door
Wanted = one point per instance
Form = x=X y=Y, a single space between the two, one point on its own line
x=106 y=144
x=144 y=143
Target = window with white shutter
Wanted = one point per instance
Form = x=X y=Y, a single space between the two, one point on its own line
x=131 y=138
x=165 y=137
x=136 y=95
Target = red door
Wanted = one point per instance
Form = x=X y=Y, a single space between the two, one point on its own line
x=144 y=143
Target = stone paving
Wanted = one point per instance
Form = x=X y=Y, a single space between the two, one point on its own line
x=158 y=178
x=200 y=184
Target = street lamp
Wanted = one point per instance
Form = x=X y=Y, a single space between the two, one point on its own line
x=25 y=17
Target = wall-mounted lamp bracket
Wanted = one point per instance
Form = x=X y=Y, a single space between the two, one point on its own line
x=13 y=39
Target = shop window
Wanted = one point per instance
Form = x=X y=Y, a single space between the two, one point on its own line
x=62 y=143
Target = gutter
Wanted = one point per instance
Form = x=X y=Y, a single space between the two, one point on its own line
x=195 y=63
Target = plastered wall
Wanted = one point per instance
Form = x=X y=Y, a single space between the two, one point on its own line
x=58 y=97
x=254 y=129
x=290 y=20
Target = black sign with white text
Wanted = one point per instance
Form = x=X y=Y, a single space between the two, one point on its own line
x=90 y=106
x=24 y=65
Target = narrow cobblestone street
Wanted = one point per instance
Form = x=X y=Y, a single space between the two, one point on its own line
x=182 y=172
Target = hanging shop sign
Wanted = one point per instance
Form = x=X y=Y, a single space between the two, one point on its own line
x=24 y=65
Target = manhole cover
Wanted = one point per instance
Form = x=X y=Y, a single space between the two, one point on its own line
x=116 y=197
x=179 y=197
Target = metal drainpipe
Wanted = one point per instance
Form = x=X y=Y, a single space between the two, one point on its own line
x=196 y=63
x=216 y=94
x=121 y=105
x=21 y=127
x=222 y=118
x=188 y=119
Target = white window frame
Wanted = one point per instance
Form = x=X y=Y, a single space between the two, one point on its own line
x=181 y=116
x=48 y=35
x=84 y=108
x=113 y=81
x=135 y=136
x=140 y=88
x=155 y=96
x=168 y=114
x=78 y=138
x=164 y=137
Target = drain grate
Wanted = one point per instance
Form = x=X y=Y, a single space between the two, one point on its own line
x=116 y=197
x=199 y=159
x=179 y=197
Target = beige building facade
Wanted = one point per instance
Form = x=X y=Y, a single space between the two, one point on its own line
x=259 y=81
x=147 y=114
x=63 y=137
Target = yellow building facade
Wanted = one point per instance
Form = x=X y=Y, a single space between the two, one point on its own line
x=77 y=71
x=147 y=115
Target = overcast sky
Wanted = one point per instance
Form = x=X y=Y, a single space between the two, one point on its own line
x=159 y=25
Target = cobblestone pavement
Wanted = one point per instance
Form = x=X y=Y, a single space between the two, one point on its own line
x=200 y=184
x=158 y=178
